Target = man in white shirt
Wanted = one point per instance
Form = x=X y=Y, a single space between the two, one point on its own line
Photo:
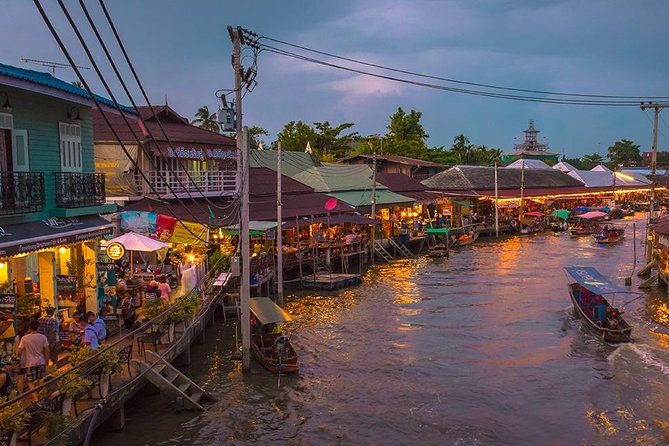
x=34 y=354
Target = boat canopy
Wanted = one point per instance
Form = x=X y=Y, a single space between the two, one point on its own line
x=534 y=214
x=268 y=312
x=592 y=214
x=591 y=279
x=437 y=231
x=562 y=214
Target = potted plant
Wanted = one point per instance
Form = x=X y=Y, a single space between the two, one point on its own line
x=106 y=359
x=153 y=308
x=12 y=417
x=56 y=424
x=70 y=386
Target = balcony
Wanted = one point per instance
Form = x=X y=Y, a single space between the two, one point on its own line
x=76 y=190
x=216 y=182
x=21 y=192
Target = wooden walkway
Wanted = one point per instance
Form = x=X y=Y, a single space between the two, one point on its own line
x=330 y=281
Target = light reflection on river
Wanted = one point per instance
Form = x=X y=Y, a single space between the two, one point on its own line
x=480 y=348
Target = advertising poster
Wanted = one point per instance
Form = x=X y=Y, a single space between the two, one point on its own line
x=7 y=315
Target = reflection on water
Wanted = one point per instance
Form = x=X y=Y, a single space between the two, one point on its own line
x=479 y=348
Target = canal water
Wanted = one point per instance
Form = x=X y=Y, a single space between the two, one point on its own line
x=481 y=348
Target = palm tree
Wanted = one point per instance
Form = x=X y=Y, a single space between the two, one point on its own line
x=206 y=120
x=592 y=160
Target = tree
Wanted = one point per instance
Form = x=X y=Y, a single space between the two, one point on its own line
x=406 y=135
x=254 y=137
x=329 y=141
x=295 y=136
x=484 y=156
x=462 y=149
x=591 y=160
x=624 y=152
x=577 y=163
x=206 y=120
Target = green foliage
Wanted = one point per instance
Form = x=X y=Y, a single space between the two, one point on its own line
x=108 y=359
x=624 y=152
x=72 y=384
x=218 y=262
x=12 y=417
x=205 y=119
x=186 y=307
x=153 y=307
x=25 y=305
x=56 y=424
x=591 y=160
x=406 y=135
x=330 y=141
x=254 y=137
x=7 y=287
x=576 y=162
x=295 y=136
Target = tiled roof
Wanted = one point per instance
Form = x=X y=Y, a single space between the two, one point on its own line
x=47 y=80
x=398 y=182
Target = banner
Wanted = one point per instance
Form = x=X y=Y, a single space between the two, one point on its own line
x=66 y=283
x=7 y=315
x=165 y=227
x=183 y=236
x=141 y=222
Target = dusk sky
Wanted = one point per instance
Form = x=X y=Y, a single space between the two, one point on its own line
x=182 y=50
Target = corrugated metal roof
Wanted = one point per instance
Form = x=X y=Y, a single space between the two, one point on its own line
x=528 y=164
x=47 y=80
x=564 y=166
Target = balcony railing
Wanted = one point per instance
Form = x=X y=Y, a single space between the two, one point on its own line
x=75 y=190
x=207 y=182
x=21 y=192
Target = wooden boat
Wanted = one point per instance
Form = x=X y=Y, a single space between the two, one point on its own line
x=582 y=230
x=587 y=289
x=438 y=250
x=270 y=346
x=466 y=239
x=610 y=235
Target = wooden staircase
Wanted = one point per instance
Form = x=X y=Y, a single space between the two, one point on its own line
x=399 y=246
x=381 y=251
x=171 y=381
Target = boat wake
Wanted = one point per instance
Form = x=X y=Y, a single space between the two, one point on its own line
x=645 y=352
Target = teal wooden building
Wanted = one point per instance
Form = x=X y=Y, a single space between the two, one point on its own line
x=50 y=196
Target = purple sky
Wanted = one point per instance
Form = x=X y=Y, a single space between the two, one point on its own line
x=182 y=50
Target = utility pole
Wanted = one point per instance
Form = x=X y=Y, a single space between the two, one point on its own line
x=372 y=238
x=279 y=218
x=496 y=205
x=653 y=167
x=243 y=181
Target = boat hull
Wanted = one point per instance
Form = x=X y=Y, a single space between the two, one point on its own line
x=615 y=239
x=613 y=336
x=264 y=351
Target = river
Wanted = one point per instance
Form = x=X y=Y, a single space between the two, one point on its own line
x=481 y=348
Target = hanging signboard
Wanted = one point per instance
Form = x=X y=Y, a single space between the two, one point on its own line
x=7 y=315
x=66 y=283
x=115 y=251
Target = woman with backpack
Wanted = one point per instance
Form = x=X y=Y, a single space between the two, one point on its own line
x=128 y=307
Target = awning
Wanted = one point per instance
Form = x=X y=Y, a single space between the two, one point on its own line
x=256 y=228
x=421 y=196
x=359 y=198
x=267 y=311
x=561 y=213
x=437 y=231
x=589 y=278
x=48 y=233
x=335 y=219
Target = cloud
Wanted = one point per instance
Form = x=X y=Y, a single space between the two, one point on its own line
x=361 y=87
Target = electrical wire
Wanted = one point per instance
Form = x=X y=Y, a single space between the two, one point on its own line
x=521 y=98
x=445 y=79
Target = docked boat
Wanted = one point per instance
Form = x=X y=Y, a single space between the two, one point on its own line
x=467 y=238
x=440 y=235
x=438 y=250
x=587 y=288
x=270 y=345
x=609 y=235
x=580 y=230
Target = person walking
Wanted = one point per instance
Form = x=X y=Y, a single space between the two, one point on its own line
x=49 y=327
x=90 y=337
x=164 y=288
x=128 y=314
x=34 y=355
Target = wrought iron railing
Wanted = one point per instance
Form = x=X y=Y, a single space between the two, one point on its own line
x=75 y=190
x=209 y=182
x=21 y=192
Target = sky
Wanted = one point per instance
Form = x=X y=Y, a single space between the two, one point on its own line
x=181 y=51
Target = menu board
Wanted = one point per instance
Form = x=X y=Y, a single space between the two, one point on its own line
x=7 y=315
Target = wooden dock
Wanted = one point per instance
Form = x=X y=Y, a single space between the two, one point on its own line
x=330 y=281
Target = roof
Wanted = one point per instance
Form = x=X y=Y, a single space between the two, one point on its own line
x=48 y=80
x=397 y=159
x=293 y=162
x=177 y=128
x=483 y=178
x=337 y=177
x=399 y=182
x=591 y=279
x=601 y=178
x=528 y=164
x=267 y=311
x=360 y=198
x=564 y=166
x=601 y=168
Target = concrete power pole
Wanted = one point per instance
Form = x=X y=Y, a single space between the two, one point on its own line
x=279 y=218
x=373 y=201
x=243 y=182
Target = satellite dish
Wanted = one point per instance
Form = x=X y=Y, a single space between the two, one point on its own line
x=330 y=204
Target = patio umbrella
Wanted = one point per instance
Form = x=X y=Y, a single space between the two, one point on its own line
x=562 y=214
x=592 y=214
x=137 y=242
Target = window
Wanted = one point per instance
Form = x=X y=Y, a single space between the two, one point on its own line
x=6 y=121
x=70 y=147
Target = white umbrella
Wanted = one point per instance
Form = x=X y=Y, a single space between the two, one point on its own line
x=137 y=242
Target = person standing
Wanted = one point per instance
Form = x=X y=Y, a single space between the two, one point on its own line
x=48 y=326
x=100 y=325
x=128 y=307
x=164 y=288
x=34 y=355
x=90 y=337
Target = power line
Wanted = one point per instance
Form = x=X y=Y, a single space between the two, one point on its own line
x=445 y=79
x=521 y=98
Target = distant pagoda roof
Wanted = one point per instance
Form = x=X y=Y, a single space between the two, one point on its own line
x=531 y=145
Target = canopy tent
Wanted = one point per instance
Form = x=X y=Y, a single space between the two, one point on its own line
x=256 y=228
x=267 y=311
x=533 y=214
x=437 y=231
x=592 y=214
x=137 y=242
x=591 y=279
x=562 y=214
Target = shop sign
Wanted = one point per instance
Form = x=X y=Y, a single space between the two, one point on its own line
x=106 y=266
x=115 y=251
x=7 y=317
x=200 y=154
x=66 y=282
